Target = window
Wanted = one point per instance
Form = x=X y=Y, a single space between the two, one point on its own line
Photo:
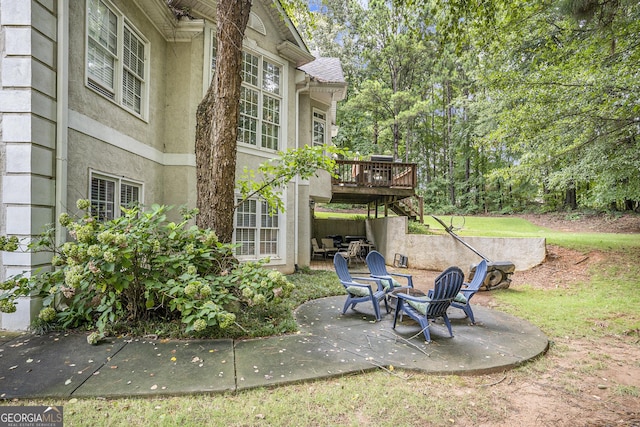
x=116 y=57
x=260 y=102
x=106 y=191
x=256 y=231
x=260 y=99
x=319 y=128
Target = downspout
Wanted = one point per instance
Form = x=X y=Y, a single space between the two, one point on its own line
x=296 y=227
x=62 y=115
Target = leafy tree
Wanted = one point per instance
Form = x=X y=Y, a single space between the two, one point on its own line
x=563 y=73
x=217 y=127
x=501 y=103
x=273 y=176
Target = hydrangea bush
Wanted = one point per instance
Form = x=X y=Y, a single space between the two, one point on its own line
x=141 y=267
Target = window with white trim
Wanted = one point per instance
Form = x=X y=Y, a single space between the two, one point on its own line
x=319 y=128
x=261 y=101
x=107 y=194
x=256 y=230
x=117 y=63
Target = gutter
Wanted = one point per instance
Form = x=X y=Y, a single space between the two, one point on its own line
x=62 y=115
x=296 y=226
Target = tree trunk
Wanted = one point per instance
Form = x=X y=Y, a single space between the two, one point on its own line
x=570 y=198
x=396 y=138
x=448 y=141
x=217 y=124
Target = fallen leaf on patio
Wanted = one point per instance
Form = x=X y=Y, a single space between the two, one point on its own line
x=173 y=359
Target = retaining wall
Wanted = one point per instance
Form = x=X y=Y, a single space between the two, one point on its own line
x=437 y=252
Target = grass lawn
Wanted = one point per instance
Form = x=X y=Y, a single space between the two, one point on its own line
x=396 y=399
x=506 y=226
x=512 y=226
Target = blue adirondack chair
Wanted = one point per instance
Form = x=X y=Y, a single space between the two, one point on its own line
x=426 y=308
x=468 y=290
x=378 y=269
x=359 y=292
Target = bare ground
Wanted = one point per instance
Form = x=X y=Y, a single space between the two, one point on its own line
x=579 y=382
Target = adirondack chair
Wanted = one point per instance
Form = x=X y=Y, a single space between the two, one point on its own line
x=352 y=252
x=424 y=309
x=316 y=249
x=359 y=292
x=468 y=290
x=378 y=269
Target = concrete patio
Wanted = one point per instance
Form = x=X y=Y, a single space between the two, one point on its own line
x=329 y=344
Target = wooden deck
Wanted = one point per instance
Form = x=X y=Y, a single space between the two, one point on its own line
x=365 y=182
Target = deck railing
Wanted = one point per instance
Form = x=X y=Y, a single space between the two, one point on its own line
x=375 y=174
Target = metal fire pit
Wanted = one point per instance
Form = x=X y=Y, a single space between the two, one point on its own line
x=498 y=272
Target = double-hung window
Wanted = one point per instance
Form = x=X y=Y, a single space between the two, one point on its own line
x=256 y=231
x=261 y=99
x=319 y=128
x=260 y=102
x=107 y=194
x=117 y=57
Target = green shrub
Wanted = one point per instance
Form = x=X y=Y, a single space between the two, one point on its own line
x=139 y=268
x=416 y=227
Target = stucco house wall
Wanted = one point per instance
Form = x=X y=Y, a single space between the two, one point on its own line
x=55 y=131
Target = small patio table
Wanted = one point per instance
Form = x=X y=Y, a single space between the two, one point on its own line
x=393 y=295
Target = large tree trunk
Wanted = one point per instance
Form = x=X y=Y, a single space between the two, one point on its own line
x=217 y=124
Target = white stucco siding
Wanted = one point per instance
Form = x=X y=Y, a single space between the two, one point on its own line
x=90 y=154
x=148 y=129
x=23 y=127
x=27 y=41
x=272 y=39
x=27 y=136
x=184 y=82
x=179 y=186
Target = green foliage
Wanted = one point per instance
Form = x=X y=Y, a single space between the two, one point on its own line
x=502 y=104
x=140 y=267
x=416 y=227
x=272 y=176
